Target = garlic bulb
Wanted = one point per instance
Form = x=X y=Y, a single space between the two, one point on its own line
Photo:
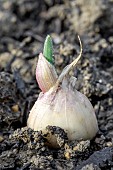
x=65 y=107
x=68 y=109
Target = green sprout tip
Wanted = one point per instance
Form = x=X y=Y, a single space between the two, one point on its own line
x=48 y=49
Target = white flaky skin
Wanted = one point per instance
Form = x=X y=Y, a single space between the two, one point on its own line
x=66 y=108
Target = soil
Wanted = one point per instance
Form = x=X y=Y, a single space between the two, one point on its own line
x=23 y=27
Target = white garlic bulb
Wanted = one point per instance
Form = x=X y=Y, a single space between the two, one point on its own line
x=68 y=109
x=65 y=107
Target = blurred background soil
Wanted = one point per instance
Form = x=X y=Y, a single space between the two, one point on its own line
x=24 y=25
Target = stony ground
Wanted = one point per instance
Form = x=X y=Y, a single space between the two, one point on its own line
x=23 y=27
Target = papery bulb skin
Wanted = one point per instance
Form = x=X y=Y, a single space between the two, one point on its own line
x=68 y=109
x=46 y=75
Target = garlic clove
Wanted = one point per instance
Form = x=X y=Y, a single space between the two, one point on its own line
x=46 y=75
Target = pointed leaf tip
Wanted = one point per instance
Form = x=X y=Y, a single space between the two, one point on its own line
x=48 y=49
